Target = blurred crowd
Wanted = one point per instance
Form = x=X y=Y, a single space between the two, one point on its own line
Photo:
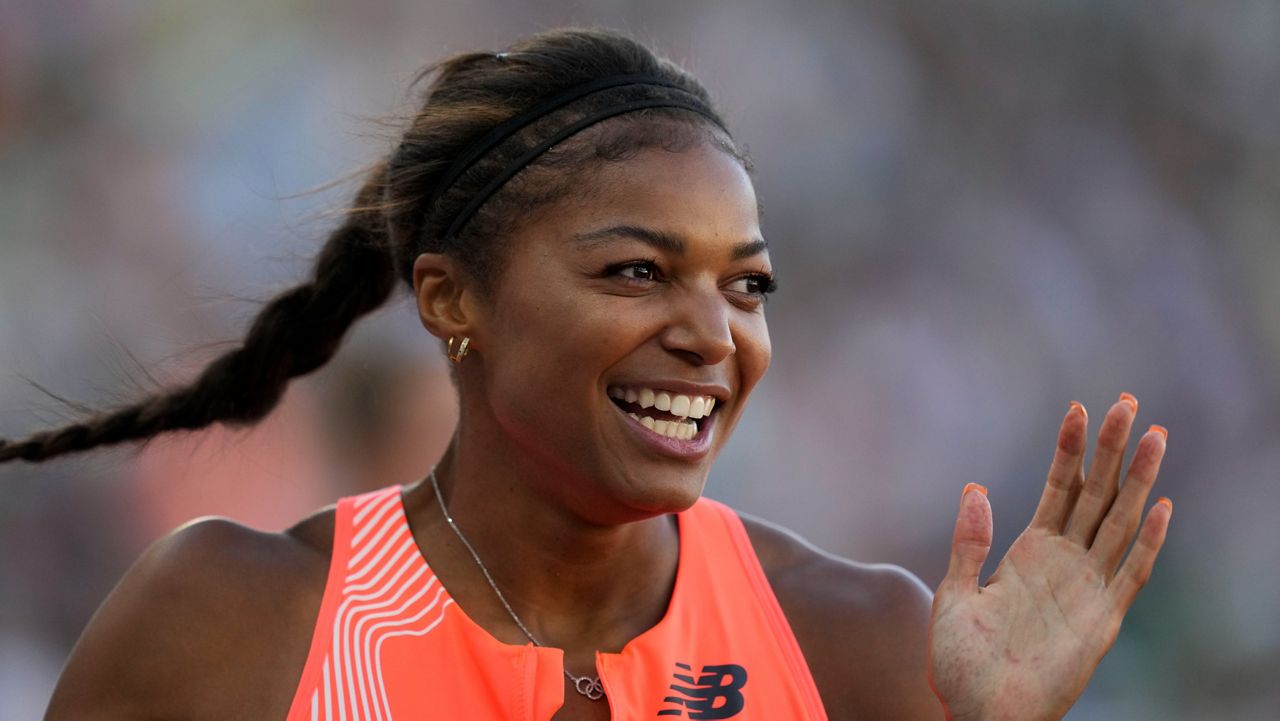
x=978 y=212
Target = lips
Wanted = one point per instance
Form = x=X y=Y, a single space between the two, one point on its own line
x=664 y=412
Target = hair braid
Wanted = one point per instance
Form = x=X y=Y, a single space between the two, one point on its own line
x=402 y=212
x=296 y=333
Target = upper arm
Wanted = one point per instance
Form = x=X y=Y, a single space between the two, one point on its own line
x=864 y=629
x=180 y=635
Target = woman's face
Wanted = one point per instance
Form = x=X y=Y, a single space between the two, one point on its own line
x=627 y=330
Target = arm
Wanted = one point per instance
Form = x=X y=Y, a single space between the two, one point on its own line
x=203 y=625
x=863 y=628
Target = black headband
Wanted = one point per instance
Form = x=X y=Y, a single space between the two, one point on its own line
x=518 y=122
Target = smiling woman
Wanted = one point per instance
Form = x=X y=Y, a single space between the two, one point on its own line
x=582 y=234
x=658 y=291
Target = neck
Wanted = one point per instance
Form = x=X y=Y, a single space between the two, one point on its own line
x=574 y=583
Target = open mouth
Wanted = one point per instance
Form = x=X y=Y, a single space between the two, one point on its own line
x=668 y=414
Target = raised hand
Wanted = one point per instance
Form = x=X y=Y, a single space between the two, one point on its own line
x=1024 y=644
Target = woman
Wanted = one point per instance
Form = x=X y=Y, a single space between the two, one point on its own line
x=582 y=234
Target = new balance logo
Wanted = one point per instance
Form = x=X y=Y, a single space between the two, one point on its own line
x=715 y=693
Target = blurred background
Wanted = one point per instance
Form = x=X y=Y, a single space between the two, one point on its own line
x=978 y=213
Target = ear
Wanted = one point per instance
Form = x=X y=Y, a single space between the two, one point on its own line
x=446 y=298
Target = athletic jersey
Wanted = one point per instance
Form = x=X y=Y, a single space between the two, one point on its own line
x=390 y=643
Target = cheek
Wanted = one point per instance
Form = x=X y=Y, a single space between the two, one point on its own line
x=547 y=355
x=755 y=351
x=753 y=354
x=567 y=334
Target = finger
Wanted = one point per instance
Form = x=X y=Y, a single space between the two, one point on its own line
x=1066 y=474
x=1136 y=570
x=1121 y=523
x=1104 y=473
x=971 y=541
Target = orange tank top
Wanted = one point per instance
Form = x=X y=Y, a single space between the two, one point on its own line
x=390 y=643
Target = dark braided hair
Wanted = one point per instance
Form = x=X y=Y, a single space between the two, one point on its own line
x=400 y=213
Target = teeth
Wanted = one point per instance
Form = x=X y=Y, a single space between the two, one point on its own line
x=698 y=408
x=681 y=430
x=680 y=406
x=677 y=404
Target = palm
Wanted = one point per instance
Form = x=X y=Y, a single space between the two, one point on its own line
x=1024 y=644
x=1034 y=628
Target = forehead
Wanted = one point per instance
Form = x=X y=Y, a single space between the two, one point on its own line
x=700 y=193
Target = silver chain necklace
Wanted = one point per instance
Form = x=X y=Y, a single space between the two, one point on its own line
x=588 y=686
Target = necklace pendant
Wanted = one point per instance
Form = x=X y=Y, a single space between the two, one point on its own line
x=589 y=687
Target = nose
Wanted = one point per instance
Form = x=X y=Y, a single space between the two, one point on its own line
x=701 y=328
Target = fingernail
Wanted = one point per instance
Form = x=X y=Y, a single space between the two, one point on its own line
x=1128 y=398
x=1166 y=502
x=1161 y=430
x=1077 y=404
x=973 y=487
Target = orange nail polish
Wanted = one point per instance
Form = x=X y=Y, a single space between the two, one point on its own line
x=1128 y=398
x=1166 y=502
x=1075 y=405
x=1159 y=429
x=973 y=487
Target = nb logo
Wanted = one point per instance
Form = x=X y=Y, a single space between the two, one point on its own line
x=715 y=693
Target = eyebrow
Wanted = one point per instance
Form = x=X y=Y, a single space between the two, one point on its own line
x=660 y=240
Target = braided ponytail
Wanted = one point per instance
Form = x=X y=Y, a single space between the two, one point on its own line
x=409 y=203
x=296 y=333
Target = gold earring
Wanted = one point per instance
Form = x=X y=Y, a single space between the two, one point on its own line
x=462 y=348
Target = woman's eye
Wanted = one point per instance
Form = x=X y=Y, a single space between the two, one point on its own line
x=760 y=284
x=636 y=270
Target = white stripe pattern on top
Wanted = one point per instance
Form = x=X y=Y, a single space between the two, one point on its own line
x=387 y=592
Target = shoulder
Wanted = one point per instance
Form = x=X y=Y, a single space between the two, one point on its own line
x=213 y=619
x=863 y=628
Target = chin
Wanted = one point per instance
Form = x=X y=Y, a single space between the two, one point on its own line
x=672 y=493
